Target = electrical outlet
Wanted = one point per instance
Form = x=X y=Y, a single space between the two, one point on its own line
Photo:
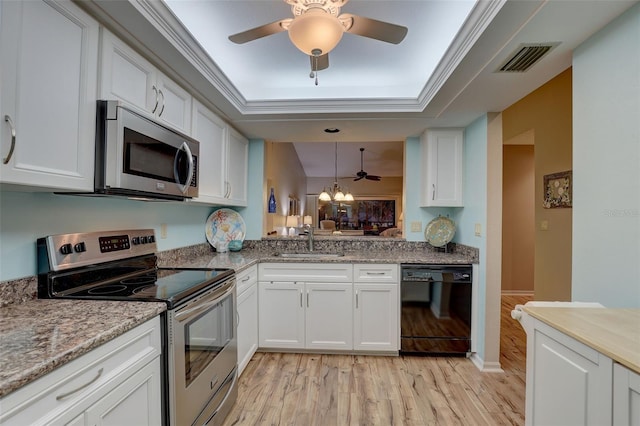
x=416 y=226
x=544 y=225
x=163 y=230
x=478 y=230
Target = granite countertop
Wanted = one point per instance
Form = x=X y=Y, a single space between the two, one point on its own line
x=37 y=335
x=612 y=332
x=40 y=335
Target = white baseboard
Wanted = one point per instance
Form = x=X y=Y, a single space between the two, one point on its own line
x=485 y=367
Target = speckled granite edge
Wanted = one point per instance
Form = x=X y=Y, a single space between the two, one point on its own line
x=40 y=335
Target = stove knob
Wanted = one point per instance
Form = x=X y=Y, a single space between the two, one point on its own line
x=151 y=239
x=143 y=240
x=66 y=249
x=80 y=247
x=135 y=241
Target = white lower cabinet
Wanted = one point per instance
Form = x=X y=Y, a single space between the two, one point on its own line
x=117 y=383
x=376 y=325
x=318 y=307
x=626 y=396
x=247 y=316
x=568 y=383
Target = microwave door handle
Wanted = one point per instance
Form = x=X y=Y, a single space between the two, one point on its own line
x=183 y=188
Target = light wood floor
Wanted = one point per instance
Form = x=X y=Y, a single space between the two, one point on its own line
x=327 y=390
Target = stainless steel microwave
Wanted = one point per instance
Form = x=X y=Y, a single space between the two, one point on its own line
x=140 y=158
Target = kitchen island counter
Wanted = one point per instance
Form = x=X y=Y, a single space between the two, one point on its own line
x=612 y=332
x=40 y=335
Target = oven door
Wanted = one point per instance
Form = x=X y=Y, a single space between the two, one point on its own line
x=203 y=356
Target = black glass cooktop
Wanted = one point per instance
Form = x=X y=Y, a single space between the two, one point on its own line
x=135 y=282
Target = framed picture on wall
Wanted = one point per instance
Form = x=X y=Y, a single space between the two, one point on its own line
x=558 y=190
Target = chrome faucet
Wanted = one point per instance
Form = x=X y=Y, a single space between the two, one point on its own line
x=310 y=237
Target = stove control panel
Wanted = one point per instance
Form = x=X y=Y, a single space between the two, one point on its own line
x=67 y=251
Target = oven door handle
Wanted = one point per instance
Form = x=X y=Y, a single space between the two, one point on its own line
x=213 y=299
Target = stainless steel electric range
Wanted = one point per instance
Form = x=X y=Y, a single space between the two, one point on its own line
x=199 y=327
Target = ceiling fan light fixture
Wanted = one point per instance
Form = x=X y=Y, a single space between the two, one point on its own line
x=315 y=30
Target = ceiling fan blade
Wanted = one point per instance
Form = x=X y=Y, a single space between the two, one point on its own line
x=358 y=178
x=259 y=32
x=323 y=62
x=372 y=28
x=373 y=177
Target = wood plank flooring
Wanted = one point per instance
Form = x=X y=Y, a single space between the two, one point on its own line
x=327 y=390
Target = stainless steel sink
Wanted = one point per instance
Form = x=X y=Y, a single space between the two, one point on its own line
x=309 y=254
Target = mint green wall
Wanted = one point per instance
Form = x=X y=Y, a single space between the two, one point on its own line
x=475 y=211
x=26 y=216
x=606 y=165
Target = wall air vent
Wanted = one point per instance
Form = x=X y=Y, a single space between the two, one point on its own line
x=525 y=56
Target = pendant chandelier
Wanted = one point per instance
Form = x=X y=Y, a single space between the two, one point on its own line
x=335 y=193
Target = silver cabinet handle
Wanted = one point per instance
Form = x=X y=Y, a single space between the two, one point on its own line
x=356 y=299
x=64 y=395
x=307 y=298
x=162 y=109
x=301 y=298
x=13 y=139
x=155 y=89
x=375 y=273
x=245 y=279
x=433 y=191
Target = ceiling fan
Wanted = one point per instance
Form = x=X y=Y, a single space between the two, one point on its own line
x=362 y=174
x=317 y=27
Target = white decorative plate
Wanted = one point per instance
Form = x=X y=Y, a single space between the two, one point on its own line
x=222 y=226
x=440 y=231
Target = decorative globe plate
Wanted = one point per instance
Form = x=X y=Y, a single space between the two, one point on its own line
x=223 y=226
x=440 y=231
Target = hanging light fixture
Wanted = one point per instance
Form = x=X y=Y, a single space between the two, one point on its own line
x=335 y=193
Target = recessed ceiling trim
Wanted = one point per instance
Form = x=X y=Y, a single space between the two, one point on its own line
x=477 y=22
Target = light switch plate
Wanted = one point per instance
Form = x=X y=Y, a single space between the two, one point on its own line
x=478 y=230
x=163 y=230
x=544 y=225
x=416 y=226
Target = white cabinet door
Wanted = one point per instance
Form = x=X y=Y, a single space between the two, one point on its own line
x=376 y=326
x=442 y=162
x=626 y=396
x=247 y=326
x=281 y=314
x=568 y=383
x=237 y=167
x=211 y=132
x=328 y=318
x=130 y=78
x=137 y=401
x=48 y=94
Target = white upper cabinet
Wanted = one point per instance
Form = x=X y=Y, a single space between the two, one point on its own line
x=47 y=95
x=237 y=167
x=224 y=156
x=442 y=162
x=211 y=132
x=130 y=78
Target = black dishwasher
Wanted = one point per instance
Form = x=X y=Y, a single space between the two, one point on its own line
x=435 y=310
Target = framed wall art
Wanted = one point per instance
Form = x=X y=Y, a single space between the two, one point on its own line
x=558 y=190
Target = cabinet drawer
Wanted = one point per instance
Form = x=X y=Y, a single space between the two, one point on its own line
x=69 y=387
x=376 y=273
x=246 y=278
x=307 y=272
